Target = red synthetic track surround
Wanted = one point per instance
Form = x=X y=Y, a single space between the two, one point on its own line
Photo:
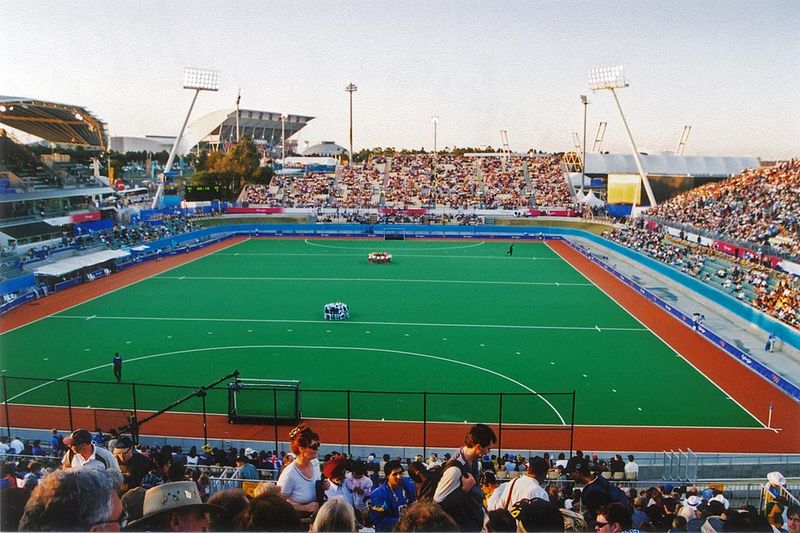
x=748 y=388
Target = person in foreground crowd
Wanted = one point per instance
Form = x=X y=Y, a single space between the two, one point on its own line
x=335 y=515
x=615 y=518
x=457 y=491
x=528 y=486
x=597 y=490
x=426 y=516
x=389 y=501
x=298 y=481
x=83 y=453
x=82 y=499
x=174 y=506
x=134 y=465
x=269 y=512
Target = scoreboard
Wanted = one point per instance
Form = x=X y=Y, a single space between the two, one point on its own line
x=202 y=193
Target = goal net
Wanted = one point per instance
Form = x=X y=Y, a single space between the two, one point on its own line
x=394 y=234
x=263 y=401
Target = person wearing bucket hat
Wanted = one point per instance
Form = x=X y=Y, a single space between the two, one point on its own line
x=175 y=506
x=689 y=507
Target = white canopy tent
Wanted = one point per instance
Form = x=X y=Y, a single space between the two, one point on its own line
x=71 y=264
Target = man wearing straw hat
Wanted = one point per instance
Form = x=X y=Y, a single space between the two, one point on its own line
x=175 y=506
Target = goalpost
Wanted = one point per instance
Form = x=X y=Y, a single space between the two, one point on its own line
x=394 y=234
x=264 y=401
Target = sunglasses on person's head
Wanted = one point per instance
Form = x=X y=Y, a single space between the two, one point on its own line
x=314 y=446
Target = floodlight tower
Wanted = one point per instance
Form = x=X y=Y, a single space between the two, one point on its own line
x=435 y=122
x=199 y=80
x=351 y=88
x=283 y=141
x=611 y=78
x=585 y=102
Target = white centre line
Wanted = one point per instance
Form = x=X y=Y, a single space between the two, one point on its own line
x=376 y=280
x=323 y=322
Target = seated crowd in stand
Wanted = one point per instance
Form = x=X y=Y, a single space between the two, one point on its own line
x=758 y=206
x=766 y=289
x=85 y=481
x=422 y=181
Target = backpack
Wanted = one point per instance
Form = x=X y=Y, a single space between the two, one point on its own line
x=618 y=495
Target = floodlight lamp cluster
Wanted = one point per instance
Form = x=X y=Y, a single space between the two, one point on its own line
x=607 y=78
x=201 y=79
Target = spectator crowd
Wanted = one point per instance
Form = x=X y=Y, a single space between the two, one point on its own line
x=772 y=291
x=759 y=206
x=424 y=181
x=97 y=482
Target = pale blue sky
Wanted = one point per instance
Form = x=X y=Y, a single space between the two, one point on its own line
x=730 y=69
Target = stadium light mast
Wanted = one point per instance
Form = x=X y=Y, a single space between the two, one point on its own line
x=283 y=141
x=585 y=102
x=611 y=78
x=351 y=88
x=199 y=80
x=435 y=121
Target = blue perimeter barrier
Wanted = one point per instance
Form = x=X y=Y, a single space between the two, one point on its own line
x=181 y=244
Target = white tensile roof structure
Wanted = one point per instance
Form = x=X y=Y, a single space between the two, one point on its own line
x=669 y=164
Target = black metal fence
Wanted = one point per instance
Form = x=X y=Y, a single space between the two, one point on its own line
x=126 y=407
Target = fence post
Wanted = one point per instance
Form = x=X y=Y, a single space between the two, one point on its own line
x=202 y=393
x=275 y=415
x=424 y=424
x=69 y=407
x=572 y=425
x=348 y=422
x=133 y=394
x=5 y=402
x=500 y=428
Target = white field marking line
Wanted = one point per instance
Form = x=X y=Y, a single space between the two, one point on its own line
x=514 y=424
x=120 y=288
x=669 y=345
x=461 y=247
x=376 y=280
x=321 y=322
x=309 y=347
x=404 y=254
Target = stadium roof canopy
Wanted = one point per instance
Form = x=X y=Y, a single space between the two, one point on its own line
x=669 y=164
x=218 y=128
x=57 y=123
x=325 y=149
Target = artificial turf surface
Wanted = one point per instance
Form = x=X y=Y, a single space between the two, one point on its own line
x=443 y=317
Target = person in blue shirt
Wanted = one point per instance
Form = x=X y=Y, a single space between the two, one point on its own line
x=244 y=469
x=55 y=442
x=388 y=502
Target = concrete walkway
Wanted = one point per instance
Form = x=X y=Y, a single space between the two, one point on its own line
x=785 y=360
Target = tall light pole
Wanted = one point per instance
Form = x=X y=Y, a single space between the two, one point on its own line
x=611 y=78
x=351 y=88
x=585 y=102
x=283 y=141
x=199 y=80
x=435 y=121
